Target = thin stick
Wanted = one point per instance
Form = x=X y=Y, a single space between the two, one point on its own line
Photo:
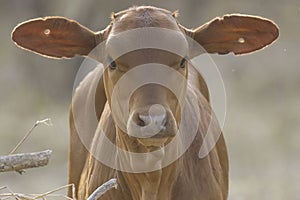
x=18 y=162
x=55 y=190
x=16 y=195
x=112 y=183
x=39 y=196
x=44 y=121
x=29 y=196
x=2 y=188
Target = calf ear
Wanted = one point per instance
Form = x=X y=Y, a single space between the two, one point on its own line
x=235 y=33
x=56 y=37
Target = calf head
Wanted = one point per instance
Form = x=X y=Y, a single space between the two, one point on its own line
x=154 y=110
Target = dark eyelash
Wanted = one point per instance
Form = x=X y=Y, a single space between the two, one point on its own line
x=182 y=63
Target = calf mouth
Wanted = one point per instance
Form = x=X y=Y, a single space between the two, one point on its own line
x=153 y=143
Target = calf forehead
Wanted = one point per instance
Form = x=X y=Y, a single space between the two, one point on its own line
x=152 y=29
x=148 y=44
x=138 y=17
x=144 y=56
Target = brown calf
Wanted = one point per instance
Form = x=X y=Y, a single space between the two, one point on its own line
x=150 y=107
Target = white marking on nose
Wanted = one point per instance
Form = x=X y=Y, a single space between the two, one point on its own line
x=157 y=116
x=154 y=123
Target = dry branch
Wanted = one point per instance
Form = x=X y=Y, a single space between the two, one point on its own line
x=18 y=162
x=112 y=183
x=57 y=189
x=44 y=121
x=16 y=196
x=43 y=196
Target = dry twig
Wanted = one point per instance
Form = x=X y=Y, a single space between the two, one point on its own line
x=18 y=162
x=39 y=196
x=55 y=190
x=44 y=121
x=112 y=183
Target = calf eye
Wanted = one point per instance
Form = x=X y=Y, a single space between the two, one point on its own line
x=112 y=64
x=182 y=63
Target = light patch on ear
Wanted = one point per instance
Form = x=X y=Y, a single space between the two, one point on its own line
x=47 y=32
x=241 y=40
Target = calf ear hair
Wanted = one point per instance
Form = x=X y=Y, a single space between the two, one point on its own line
x=56 y=37
x=235 y=33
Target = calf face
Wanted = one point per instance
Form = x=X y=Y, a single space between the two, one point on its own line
x=154 y=110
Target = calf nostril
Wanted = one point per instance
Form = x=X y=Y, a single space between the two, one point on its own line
x=156 y=120
x=144 y=120
x=140 y=121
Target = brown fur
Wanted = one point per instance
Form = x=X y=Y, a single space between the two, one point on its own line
x=187 y=178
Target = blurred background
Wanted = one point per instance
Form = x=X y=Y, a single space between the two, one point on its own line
x=262 y=127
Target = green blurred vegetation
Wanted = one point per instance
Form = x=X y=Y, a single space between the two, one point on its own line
x=262 y=127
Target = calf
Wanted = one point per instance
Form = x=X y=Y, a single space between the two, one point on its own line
x=151 y=117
